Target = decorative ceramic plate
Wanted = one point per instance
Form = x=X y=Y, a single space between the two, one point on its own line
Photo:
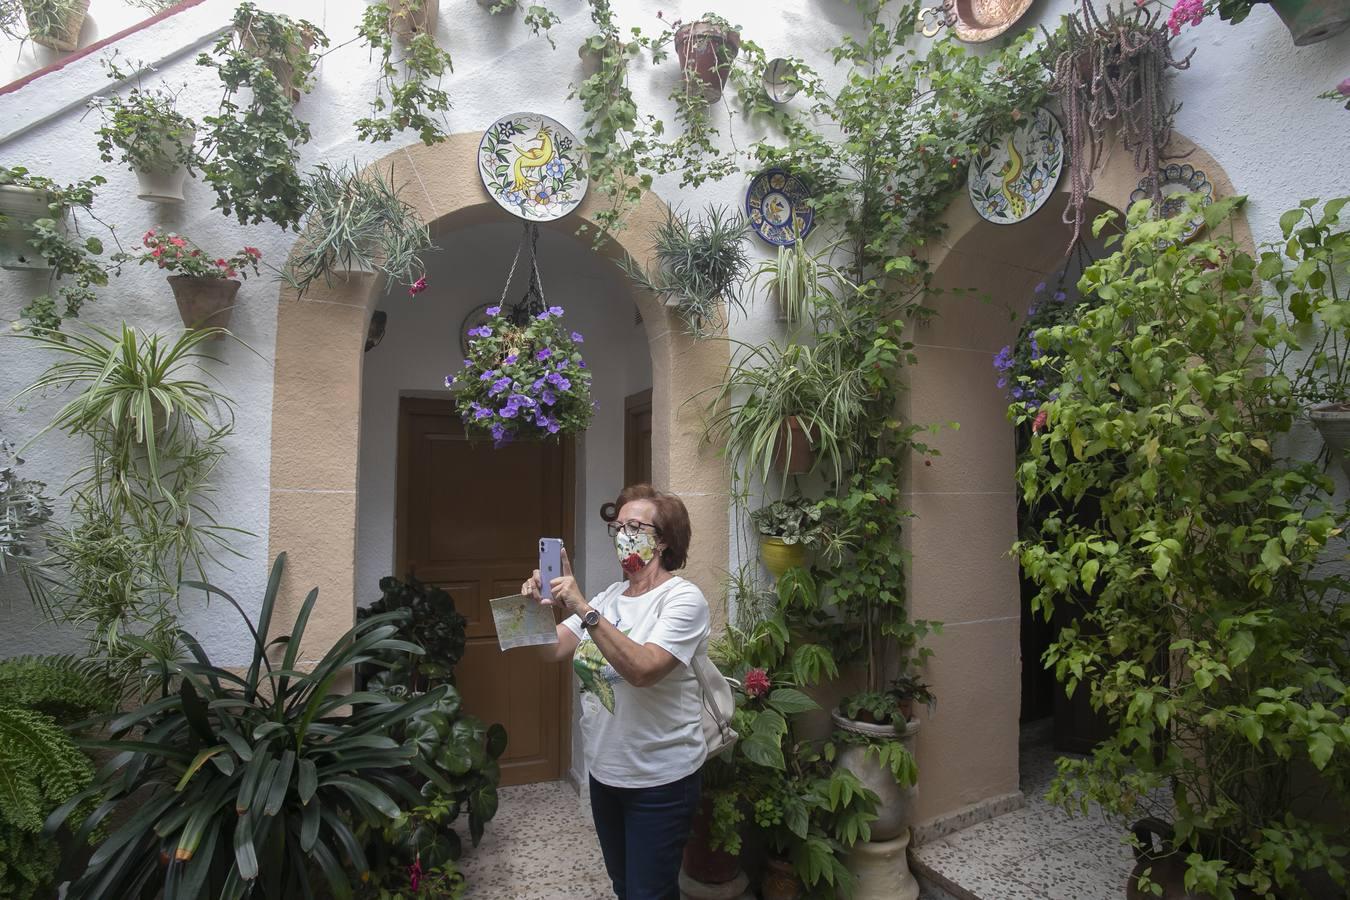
x=476 y=317
x=1176 y=182
x=777 y=206
x=531 y=165
x=983 y=20
x=1012 y=178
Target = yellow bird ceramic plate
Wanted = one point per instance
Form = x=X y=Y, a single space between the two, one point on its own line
x=531 y=165
x=1013 y=176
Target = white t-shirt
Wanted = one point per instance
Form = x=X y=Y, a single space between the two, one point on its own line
x=644 y=737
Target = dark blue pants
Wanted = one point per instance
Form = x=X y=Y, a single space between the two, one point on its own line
x=642 y=833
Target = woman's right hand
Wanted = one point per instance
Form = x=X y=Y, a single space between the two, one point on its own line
x=531 y=588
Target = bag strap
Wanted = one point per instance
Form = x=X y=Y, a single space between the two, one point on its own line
x=708 y=698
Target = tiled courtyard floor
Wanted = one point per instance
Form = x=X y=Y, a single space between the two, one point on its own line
x=540 y=846
x=1038 y=852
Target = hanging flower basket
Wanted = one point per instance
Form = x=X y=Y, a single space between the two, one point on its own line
x=63 y=34
x=204 y=286
x=410 y=18
x=20 y=207
x=523 y=381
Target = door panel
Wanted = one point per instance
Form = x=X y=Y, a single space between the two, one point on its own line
x=637 y=438
x=469 y=521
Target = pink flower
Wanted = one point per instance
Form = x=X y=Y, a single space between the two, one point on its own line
x=417 y=286
x=1192 y=11
x=757 y=683
x=415 y=874
x=177 y=242
x=157 y=252
x=1344 y=88
x=1039 y=424
x=253 y=252
x=147 y=237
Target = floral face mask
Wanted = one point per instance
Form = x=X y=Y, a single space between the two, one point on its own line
x=634 y=551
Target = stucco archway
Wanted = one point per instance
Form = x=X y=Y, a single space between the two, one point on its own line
x=965 y=501
x=316 y=399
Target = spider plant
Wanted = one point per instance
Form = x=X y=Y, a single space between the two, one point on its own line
x=701 y=263
x=230 y=785
x=357 y=221
x=793 y=279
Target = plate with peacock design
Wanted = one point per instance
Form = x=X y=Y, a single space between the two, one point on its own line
x=1012 y=177
x=777 y=204
x=532 y=166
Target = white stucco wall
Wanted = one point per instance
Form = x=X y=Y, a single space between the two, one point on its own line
x=1248 y=99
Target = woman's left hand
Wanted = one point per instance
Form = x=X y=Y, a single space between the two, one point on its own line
x=565 y=590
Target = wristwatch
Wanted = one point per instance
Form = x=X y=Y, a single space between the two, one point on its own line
x=590 y=620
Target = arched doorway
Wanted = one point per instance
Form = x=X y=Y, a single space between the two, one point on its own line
x=316 y=401
x=965 y=500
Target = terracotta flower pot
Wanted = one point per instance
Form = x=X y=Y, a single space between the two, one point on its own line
x=409 y=24
x=204 y=302
x=895 y=803
x=284 y=70
x=67 y=35
x=1312 y=21
x=1334 y=424
x=19 y=208
x=779 y=557
x=706 y=51
x=701 y=862
x=794 y=454
x=780 y=881
x=163 y=182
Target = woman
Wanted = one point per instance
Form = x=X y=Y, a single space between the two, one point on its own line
x=632 y=646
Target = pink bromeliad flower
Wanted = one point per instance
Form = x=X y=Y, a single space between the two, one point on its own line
x=757 y=683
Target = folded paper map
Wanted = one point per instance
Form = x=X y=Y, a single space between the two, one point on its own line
x=523 y=622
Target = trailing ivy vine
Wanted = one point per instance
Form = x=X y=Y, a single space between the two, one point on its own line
x=410 y=96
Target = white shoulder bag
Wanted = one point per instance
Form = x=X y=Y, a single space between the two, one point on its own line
x=719 y=704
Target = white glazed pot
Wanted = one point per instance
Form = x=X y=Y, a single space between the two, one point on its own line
x=1334 y=424
x=20 y=207
x=896 y=804
x=164 y=183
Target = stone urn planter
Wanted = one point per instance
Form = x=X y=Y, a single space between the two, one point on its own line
x=793 y=454
x=706 y=51
x=779 y=557
x=780 y=881
x=1312 y=21
x=65 y=36
x=895 y=804
x=163 y=182
x=1333 y=422
x=204 y=302
x=19 y=208
x=413 y=17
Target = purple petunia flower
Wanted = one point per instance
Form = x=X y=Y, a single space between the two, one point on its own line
x=521 y=400
x=1040 y=288
x=1060 y=296
x=508 y=411
x=481 y=412
x=577 y=338
x=552 y=426
x=499 y=434
x=481 y=331
x=450 y=380
x=511 y=360
x=501 y=384
x=486 y=376
x=538 y=384
x=562 y=364
x=543 y=354
x=555 y=310
x=542 y=317
x=581 y=364
x=548 y=398
x=493 y=310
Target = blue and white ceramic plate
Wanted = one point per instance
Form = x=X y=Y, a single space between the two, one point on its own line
x=1013 y=177
x=777 y=206
x=1176 y=181
x=531 y=165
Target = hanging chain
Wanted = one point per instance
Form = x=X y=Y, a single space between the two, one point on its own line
x=533 y=301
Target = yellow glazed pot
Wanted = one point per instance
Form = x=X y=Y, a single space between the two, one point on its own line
x=779 y=557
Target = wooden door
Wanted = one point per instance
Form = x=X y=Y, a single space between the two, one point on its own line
x=637 y=438
x=469 y=521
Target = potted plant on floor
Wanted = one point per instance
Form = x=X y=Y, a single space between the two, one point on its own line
x=150 y=135
x=1209 y=546
x=525 y=380
x=706 y=49
x=701 y=265
x=203 y=286
x=51 y=23
x=357 y=223
x=787 y=528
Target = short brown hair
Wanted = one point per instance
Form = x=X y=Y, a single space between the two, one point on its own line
x=672 y=521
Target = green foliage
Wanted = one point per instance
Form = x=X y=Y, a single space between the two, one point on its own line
x=701 y=264
x=793 y=521
x=539 y=18
x=433 y=624
x=40 y=767
x=24 y=19
x=1215 y=643
x=253 y=784
x=145 y=126
x=876 y=707
x=413 y=83
x=67 y=252
x=141 y=512
x=252 y=148
x=357 y=218
x=64 y=688
x=25 y=509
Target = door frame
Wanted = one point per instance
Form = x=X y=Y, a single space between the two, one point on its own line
x=411 y=405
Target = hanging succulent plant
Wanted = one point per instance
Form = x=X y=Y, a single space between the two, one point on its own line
x=1109 y=70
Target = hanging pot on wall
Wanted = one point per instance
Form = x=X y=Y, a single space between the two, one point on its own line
x=701 y=862
x=1333 y=422
x=19 y=208
x=284 y=69
x=413 y=17
x=895 y=804
x=794 y=453
x=163 y=182
x=779 y=557
x=66 y=35
x=1312 y=21
x=204 y=302
x=706 y=51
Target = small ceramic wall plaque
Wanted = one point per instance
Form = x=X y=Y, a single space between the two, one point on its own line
x=1175 y=182
x=531 y=165
x=1012 y=177
x=777 y=206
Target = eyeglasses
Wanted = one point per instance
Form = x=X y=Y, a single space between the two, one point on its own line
x=632 y=528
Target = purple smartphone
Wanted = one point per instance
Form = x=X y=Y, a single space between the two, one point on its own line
x=550 y=564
